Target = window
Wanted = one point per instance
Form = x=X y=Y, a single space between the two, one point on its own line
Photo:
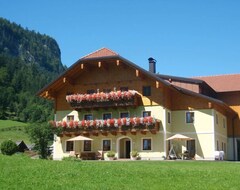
x=217 y=119
x=69 y=146
x=106 y=90
x=88 y=117
x=106 y=145
x=169 y=117
x=91 y=91
x=124 y=115
x=107 y=116
x=124 y=88
x=146 y=91
x=217 y=146
x=70 y=118
x=147 y=144
x=146 y=113
x=224 y=123
x=189 y=117
x=87 y=146
x=69 y=93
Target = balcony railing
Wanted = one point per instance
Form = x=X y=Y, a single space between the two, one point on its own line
x=121 y=125
x=103 y=100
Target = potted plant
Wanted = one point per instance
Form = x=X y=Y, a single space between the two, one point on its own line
x=111 y=155
x=134 y=155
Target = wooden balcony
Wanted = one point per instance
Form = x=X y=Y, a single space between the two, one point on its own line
x=106 y=104
x=103 y=100
x=107 y=130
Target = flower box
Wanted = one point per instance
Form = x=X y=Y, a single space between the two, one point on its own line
x=97 y=100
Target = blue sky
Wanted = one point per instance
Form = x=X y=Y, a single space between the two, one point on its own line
x=186 y=37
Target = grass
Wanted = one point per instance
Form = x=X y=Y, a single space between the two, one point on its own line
x=13 y=130
x=10 y=123
x=20 y=172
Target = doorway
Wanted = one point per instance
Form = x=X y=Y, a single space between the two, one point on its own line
x=124 y=148
x=238 y=150
x=127 y=148
x=191 y=148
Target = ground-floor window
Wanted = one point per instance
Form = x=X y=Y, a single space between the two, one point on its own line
x=106 y=145
x=69 y=146
x=147 y=144
x=87 y=146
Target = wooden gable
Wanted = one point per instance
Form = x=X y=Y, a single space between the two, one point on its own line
x=104 y=69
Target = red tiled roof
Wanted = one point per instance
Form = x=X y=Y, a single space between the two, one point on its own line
x=103 y=52
x=223 y=83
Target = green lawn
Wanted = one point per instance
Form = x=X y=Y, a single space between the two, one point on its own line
x=13 y=130
x=19 y=172
x=10 y=123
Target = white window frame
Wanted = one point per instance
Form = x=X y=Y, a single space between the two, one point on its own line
x=107 y=113
x=66 y=146
x=224 y=122
x=108 y=139
x=170 y=115
x=124 y=112
x=146 y=139
x=146 y=111
x=87 y=114
x=186 y=117
x=217 y=119
x=70 y=116
x=87 y=150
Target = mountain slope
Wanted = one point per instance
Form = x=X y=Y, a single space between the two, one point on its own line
x=28 y=61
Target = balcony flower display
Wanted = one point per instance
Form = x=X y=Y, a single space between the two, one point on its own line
x=109 y=123
x=101 y=96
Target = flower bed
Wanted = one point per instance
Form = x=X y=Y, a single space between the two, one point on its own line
x=123 y=123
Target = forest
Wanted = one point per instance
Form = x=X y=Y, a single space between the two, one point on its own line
x=28 y=61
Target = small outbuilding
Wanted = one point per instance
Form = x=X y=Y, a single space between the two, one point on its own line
x=22 y=146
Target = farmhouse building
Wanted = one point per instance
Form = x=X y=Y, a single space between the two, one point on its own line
x=123 y=107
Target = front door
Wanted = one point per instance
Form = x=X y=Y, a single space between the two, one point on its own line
x=124 y=148
x=128 y=148
x=238 y=150
x=191 y=148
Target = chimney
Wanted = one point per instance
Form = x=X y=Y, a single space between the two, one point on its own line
x=152 y=65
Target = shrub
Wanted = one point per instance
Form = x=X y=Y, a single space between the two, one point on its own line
x=111 y=154
x=9 y=147
x=134 y=153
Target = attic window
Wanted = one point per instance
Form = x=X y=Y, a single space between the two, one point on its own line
x=91 y=91
x=106 y=90
x=69 y=93
x=146 y=91
x=124 y=88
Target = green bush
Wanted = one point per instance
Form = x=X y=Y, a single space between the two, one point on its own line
x=9 y=147
x=111 y=154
